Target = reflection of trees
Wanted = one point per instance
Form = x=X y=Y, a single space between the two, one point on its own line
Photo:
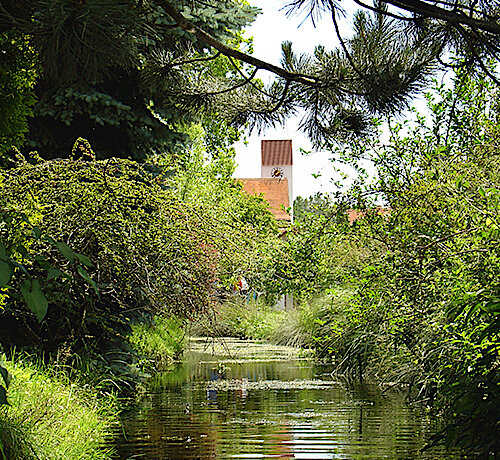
x=358 y=422
x=168 y=428
x=384 y=424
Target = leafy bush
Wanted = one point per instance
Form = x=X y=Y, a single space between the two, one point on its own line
x=102 y=241
x=427 y=304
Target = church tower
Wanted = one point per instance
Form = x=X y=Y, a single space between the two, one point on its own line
x=277 y=162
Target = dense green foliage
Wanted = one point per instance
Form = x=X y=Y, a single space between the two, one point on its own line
x=424 y=310
x=130 y=75
x=118 y=243
x=18 y=72
x=159 y=342
x=114 y=72
x=90 y=246
x=316 y=204
x=242 y=224
x=315 y=255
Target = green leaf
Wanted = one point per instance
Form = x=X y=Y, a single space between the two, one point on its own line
x=5 y=273
x=87 y=278
x=37 y=233
x=23 y=251
x=65 y=250
x=53 y=273
x=7 y=377
x=84 y=260
x=3 y=251
x=35 y=298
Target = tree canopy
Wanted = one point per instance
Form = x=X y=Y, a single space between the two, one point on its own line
x=117 y=72
x=128 y=74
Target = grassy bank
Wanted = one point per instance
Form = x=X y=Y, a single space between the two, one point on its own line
x=51 y=417
x=255 y=320
x=54 y=414
x=160 y=342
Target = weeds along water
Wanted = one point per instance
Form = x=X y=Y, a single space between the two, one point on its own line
x=53 y=416
x=63 y=409
x=257 y=320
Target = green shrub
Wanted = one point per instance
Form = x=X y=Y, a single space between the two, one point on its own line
x=18 y=74
x=160 y=341
x=104 y=242
x=425 y=311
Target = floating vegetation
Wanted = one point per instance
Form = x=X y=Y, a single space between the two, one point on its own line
x=229 y=349
x=243 y=384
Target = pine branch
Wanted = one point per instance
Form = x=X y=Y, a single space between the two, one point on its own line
x=232 y=88
x=251 y=82
x=381 y=11
x=193 y=61
x=201 y=35
x=483 y=66
x=426 y=9
x=344 y=47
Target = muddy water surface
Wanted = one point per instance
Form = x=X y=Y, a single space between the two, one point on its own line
x=241 y=399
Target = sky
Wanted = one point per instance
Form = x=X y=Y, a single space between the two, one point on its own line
x=270 y=29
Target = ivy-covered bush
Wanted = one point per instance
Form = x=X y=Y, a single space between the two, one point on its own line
x=88 y=245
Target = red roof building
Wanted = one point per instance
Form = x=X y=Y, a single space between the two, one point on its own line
x=274 y=191
x=275 y=183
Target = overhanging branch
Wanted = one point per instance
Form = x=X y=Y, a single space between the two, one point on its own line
x=427 y=9
x=203 y=36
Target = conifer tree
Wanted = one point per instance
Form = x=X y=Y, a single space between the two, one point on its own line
x=128 y=73
x=113 y=70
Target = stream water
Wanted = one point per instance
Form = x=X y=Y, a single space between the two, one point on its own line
x=241 y=399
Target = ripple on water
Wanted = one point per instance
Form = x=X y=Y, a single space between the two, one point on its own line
x=258 y=401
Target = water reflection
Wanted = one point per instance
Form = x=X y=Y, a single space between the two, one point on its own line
x=267 y=406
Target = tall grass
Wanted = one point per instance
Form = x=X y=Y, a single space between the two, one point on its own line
x=259 y=321
x=237 y=318
x=160 y=342
x=51 y=417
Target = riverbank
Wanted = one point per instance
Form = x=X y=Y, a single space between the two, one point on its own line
x=58 y=412
x=51 y=416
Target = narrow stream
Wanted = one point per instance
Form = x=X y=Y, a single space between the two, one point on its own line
x=241 y=399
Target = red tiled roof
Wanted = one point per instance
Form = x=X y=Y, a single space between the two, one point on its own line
x=274 y=191
x=355 y=214
x=275 y=153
